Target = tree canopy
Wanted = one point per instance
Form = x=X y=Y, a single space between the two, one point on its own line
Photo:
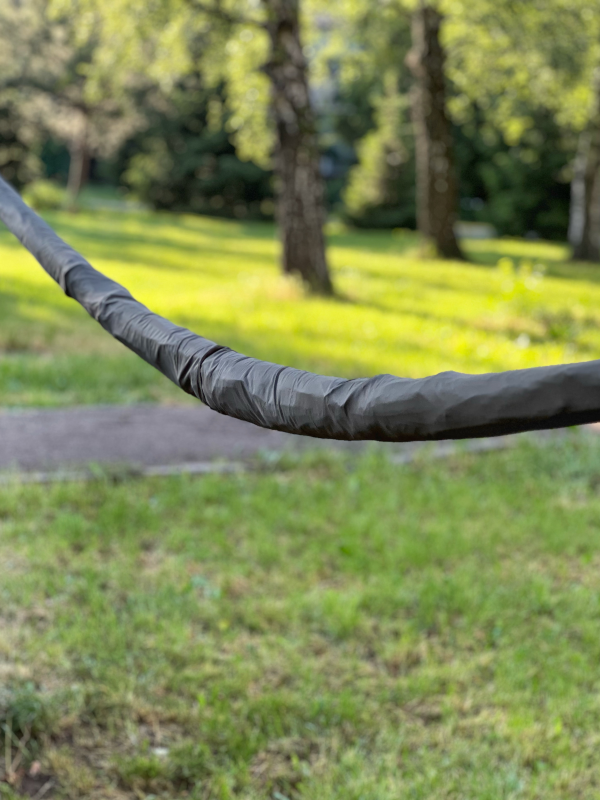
x=169 y=91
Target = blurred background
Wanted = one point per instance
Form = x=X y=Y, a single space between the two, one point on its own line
x=168 y=106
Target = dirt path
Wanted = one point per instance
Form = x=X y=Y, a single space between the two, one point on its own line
x=144 y=435
x=154 y=437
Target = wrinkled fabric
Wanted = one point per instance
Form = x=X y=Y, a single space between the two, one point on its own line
x=385 y=408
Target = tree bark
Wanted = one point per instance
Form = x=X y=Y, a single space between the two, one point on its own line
x=437 y=192
x=79 y=166
x=300 y=209
x=584 y=222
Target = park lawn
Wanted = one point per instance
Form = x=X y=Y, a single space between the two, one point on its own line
x=331 y=630
x=395 y=313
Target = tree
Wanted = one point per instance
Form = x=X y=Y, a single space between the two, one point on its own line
x=437 y=192
x=387 y=43
x=543 y=55
x=254 y=50
x=46 y=62
x=300 y=210
x=369 y=113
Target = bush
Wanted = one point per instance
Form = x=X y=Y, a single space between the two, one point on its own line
x=45 y=196
x=520 y=187
x=380 y=191
x=182 y=162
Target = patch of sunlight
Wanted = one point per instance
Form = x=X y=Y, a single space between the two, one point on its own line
x=395 y=312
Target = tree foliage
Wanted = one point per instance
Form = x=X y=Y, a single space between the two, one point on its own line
x=510 y=57
x=185 y=161
x=380 y=190
x=45 y=62
x=183 y=83
x=519 y=93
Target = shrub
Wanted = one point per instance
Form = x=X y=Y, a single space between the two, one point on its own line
x=45 y=195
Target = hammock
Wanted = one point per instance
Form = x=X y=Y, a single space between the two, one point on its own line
x=385 y=408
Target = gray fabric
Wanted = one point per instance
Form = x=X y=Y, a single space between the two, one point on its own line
x=385 y=408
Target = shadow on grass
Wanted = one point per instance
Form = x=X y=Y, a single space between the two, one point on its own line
x=23 y=331
x=124 y=248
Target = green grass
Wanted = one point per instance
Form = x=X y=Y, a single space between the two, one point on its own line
x=331 y=630
x=396 y=312
x=334 y=630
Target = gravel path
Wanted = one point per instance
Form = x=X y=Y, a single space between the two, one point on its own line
x=160 y=439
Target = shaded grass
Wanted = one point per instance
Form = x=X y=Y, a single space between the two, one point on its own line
x=396 y=313
x=338 y=629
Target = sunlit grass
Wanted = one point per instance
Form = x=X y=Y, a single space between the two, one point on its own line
x=395 y=313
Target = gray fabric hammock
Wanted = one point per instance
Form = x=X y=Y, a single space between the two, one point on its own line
x=385 y=408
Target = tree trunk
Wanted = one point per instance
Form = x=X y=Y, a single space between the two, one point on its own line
x=577 y=200
x=300 y=210
x=79 y=166
x=437 y=194
x=584 y=222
